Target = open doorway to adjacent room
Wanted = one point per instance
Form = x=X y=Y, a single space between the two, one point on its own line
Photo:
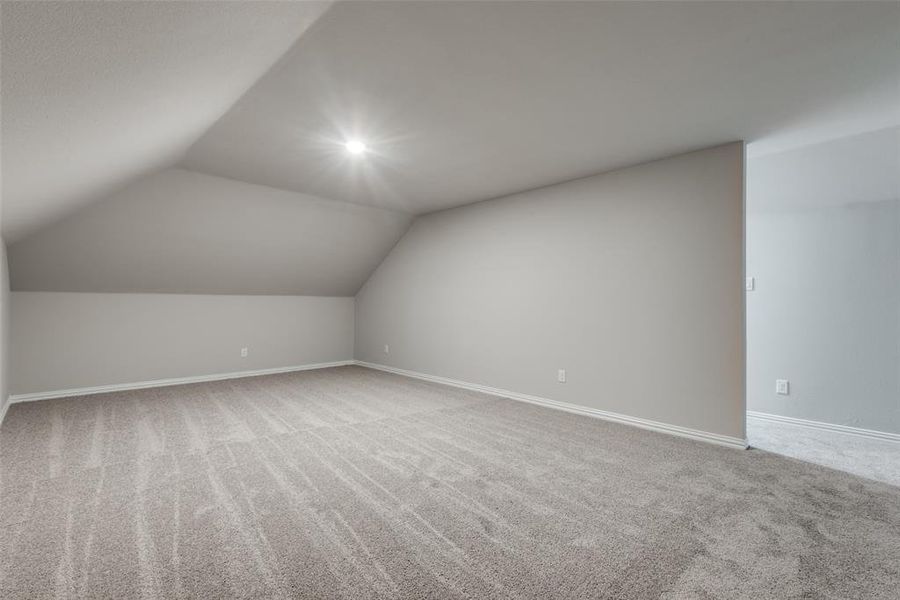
x=823 y=302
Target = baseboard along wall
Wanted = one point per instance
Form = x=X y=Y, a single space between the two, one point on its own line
x=4 y=409
x=857 y=431
x=686 y=432
x=695 y=434
x=120 y=387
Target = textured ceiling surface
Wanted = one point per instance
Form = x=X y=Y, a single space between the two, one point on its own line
x=465 y=101
x=97 y=94
x=185 y=232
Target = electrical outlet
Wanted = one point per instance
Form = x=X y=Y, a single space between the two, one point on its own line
x=387 y=349
x=561 y=375
x=244 y=352
x=750 y=284
x=783 y=387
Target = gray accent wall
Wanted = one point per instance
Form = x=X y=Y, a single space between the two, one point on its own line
x=631 y=280
x=4 y=327
x=823 y=244
x=72 y=340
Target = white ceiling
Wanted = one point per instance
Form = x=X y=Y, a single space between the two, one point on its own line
x=98 y=94
x=467 y=101
x=459 y=101
x=185 y=232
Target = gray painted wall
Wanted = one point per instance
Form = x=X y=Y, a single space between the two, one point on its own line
x=826 y=314
x=632 y=281
x=823 y=243
x=72 y=340
x=4 y=327
x=185 y=232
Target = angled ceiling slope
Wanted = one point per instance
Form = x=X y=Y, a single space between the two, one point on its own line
x=181 y=231
x=459 y=102
x=464 y=101
x=97 y=94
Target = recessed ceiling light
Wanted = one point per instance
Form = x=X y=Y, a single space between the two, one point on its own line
x=355 y=147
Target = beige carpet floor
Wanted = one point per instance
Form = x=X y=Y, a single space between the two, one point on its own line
x=351 y=483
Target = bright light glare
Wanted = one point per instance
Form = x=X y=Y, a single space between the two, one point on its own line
x=355 y=147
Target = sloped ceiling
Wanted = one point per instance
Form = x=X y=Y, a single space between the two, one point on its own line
x=465 y=101
x=98 y=94
x=189 y=157
x=181 y=231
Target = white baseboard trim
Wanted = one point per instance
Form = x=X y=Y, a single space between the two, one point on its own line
x=858 y=431
x=694 y=434
x=4 y=409
x=121 y=387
